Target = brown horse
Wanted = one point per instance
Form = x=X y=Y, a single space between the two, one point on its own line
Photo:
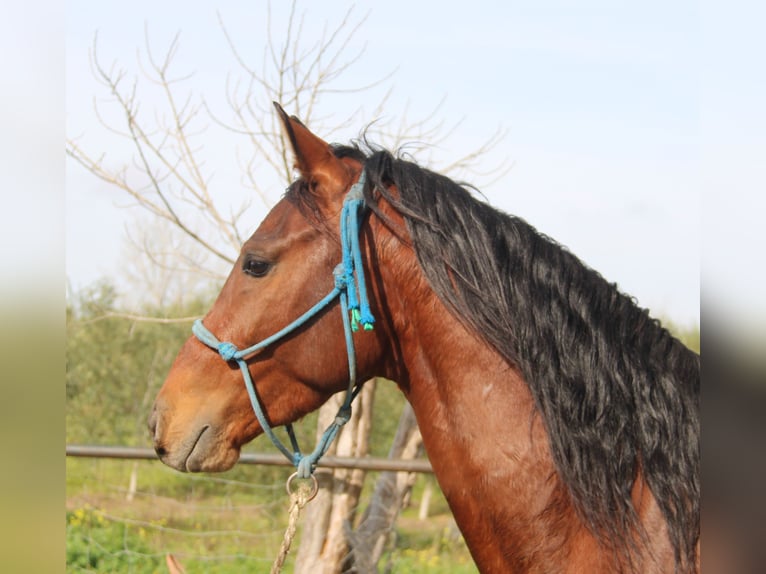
x=562 y=421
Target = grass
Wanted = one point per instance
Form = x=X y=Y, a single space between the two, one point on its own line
x=218 y=524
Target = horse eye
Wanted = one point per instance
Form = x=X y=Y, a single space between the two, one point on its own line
x=256 y=267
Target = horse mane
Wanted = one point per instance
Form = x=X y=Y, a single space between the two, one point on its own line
x=618 y=394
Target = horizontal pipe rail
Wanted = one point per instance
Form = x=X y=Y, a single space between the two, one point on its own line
x=272 y=459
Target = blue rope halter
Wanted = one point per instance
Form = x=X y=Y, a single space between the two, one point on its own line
x=350 y=287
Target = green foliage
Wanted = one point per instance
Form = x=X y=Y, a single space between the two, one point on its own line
x=214 y=524
x=389 y=401
x=431 y=560
x=211 y=522
x=97 y=542
x=91 y=541
x=115 y=366
x=437 y=548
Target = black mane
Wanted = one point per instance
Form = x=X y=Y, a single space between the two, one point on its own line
x=617 y=392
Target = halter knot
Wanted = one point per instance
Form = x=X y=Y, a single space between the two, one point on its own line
x=305 y=467
x=340 y=276
x=227 y=350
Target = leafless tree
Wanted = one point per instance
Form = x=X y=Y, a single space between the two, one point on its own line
x=168 y=179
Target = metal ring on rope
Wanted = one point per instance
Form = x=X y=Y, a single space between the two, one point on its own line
x=314 y=485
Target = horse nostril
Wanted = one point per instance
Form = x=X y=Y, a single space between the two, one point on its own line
x=160 y=450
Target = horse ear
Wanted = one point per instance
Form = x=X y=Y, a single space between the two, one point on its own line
x=314 y=157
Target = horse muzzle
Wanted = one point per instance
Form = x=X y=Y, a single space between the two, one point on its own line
x=192 y=445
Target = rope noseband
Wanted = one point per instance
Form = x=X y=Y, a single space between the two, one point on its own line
x=351 y=289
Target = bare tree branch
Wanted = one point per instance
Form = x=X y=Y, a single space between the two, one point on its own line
x=148 y=152
x=142 y=318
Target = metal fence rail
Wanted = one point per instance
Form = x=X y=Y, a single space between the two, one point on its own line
x=272 y=459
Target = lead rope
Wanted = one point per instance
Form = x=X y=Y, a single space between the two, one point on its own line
x=304 y=494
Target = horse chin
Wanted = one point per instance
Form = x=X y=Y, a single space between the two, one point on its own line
x=204 y=452
x=211 y=455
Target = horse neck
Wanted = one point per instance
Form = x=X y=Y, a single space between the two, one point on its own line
x=484 y=436
x=488 y=448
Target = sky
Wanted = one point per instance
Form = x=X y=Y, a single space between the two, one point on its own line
x=600 y=102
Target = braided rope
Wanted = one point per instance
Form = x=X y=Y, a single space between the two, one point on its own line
x=298 y=499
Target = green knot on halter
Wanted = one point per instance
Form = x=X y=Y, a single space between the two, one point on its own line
x=356 y=320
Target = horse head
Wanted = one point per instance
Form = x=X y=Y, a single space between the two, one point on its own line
x=203 y=415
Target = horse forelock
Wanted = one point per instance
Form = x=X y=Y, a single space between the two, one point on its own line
x=618 y=394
